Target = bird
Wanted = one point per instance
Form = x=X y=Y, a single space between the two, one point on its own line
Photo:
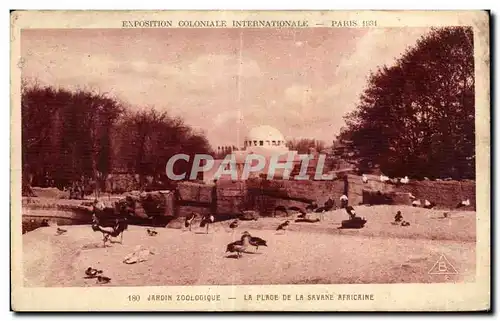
x=398 y=217
x=91 y=272
x=102 y=279
x=364 y=178
x=239 y=246
x=405 y=180
x=350 y=211
x=405 y=223
x=151 y=232
x=411 y=196
x=416 y=203
x=344 y=200
x=384 y=178
x=207 y=220
x=44 y=223
x=60 y=231
x=463 y=203
x=283 y=226
x=116 y=230
x=255 y=241
x=189 y=221
x=234 y=224
x=428 y=204
x=329 y=204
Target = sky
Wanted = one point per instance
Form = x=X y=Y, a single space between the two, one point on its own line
x=222 y=81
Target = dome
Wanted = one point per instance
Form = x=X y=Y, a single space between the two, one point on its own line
x=265 y=136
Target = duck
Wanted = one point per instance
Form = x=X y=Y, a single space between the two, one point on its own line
x=151 y=232
x=103 y=279
x=398 y=217
x=91 y=272
x=60 y=231
x=189 y=221
x=255 y=241
x=405 y=180
x=239 y=246
x=429 y=205
x=207 y=220
x=364 y=178
x=416 y=203
x=234 y=224
x=283 y=226
x=463 y=203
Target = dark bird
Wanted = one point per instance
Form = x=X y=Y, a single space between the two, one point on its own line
x=207 y=220
x=151 y=232
x=329 y=204
x=398 y=217
x=429 y=205
x=405 y=223
x=91 y=272
x=116 y=230
x=60 y=231
x=189 y=221
x=44 y=223
x=255 y=241
x=463 y=203
x=234 y=224
x=283 y=226
x=239 y=246
x=350 y=211
x=103 y=279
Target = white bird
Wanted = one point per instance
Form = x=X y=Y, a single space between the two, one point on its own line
x=416 y=203
x=364 y=178
x=464 y=203
x=384 y=178
x=405 y=180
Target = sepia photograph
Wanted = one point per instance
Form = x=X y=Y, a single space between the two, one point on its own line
x=215 y=150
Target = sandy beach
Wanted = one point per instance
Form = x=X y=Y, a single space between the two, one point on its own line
x=308 y=253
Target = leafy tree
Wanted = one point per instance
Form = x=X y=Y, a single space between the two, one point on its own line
x=416 y=118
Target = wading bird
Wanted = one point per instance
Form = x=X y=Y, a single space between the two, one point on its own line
x=207 y=220
x=189 y=221
x=116 y=230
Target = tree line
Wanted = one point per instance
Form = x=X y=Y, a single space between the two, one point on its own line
x=71 y=135
x=416 y=117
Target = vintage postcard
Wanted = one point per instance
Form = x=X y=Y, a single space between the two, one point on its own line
x=250 y=161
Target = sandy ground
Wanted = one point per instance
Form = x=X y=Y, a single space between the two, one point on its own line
x=317 y=253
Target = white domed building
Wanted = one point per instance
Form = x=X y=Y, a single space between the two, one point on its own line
x=263 y=140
